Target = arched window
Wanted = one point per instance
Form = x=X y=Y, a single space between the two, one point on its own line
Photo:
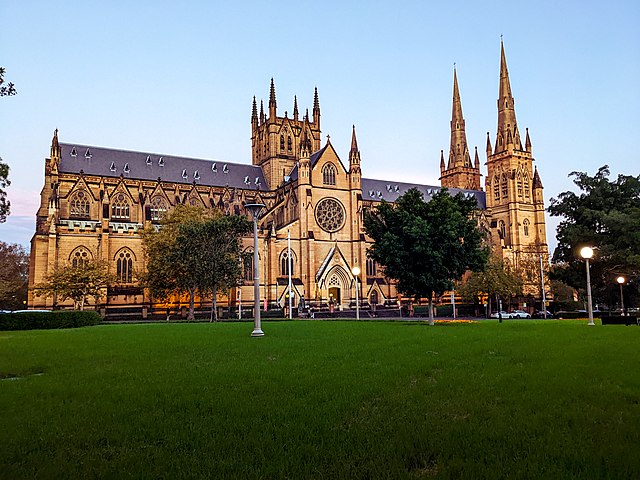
x=496 y=187
x=281 y=142
x=502 y=230
x=79 y=205
x=505 y=188
x=329 y=174
x=120 y=207
x=372 y=267
x=284 y=263
x=289 y=143
x=158 y=208
x=526 y=186
x=248 y=265
x=525 y=227
x=124 y=266
x=80 y=257
x=519 y=185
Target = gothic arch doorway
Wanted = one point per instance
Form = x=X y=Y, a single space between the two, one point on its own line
x=373 y=299
x=337 y=284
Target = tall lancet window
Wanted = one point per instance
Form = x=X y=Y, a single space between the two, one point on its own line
x=329 y=174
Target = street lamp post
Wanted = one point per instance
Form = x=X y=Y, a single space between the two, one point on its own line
x=621 y=281
x=289 y=271
x=587 y=253
x=544 y=299
x=255 y=209
x=356 y=271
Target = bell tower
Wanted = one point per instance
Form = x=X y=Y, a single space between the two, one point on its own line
x=276 y=142
x=458 y=172
x=513 y=188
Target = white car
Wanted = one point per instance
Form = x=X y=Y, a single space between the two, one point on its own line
x=520 y=314
x=500 y=314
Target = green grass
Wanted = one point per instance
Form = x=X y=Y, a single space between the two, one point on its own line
x=555 y=399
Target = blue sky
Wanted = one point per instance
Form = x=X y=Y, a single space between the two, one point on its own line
x=179 y=77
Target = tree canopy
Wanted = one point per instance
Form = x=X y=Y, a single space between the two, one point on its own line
x=426 y=246
x=605 y=215
x=78 y=283
x=8 y=89
x=5 y=205
x=14 y=269
x=195 y=251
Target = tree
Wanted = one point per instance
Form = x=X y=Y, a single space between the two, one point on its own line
x=6 y=90
x=605 y=216
x=426 y=246
x=14 y=270
x=78 y=283
x=498 y=280
x=5 y=205
x=195 y=251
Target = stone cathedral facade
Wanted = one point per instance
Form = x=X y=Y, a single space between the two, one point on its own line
x=95 y=201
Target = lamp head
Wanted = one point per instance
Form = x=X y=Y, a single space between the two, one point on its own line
x=586 y=252
x=255 y=209
x=621 y=279
x=355 y=270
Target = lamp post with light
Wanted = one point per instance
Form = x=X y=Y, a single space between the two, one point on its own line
x=356 y=271
x=587 y=253
x=255 y=209
x=621 y=281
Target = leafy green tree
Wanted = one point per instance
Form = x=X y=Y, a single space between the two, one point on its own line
x=499 y=280
x=6 y=90
x=5 y=205
x=14 y=270
x=606 y=216
x=426 y=246
x=78 y=283
x=195 y=251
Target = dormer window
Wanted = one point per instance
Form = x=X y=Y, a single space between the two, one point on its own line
x=74 y=152
x=126 y=168
x=225 y=169
x=196 y=175
x=257 y=180
x=87 y=154
x=246 y=180
x=161 y=162
x=112 y=167
x=148 y=161
x=214 y=168
x=184 y=173
x=396 y=188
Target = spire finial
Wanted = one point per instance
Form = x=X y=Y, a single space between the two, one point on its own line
x=295 y=107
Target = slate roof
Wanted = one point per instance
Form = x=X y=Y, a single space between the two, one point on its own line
x=151 y=166
x=312 y=161
x=378 y=190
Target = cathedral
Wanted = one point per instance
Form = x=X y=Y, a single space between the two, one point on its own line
x=95 y=201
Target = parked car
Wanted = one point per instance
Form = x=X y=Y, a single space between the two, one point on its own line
x=540 y=314
x=500 y=314
x=520 y=314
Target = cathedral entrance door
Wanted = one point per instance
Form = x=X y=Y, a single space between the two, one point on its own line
x=334 y=294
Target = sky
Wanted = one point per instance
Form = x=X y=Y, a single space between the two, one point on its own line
x=178 y=78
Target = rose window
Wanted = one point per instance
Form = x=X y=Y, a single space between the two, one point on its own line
x=330 y=214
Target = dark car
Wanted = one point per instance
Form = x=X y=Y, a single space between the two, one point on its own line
x=540 y=314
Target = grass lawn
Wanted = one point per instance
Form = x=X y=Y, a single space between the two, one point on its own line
x=322 y=400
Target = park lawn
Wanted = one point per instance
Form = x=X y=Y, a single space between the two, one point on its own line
x=322 y=399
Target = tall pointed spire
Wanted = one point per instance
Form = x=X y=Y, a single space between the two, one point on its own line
x=354 y=160
x=316 y=108
x=507 y=125
x=354 y=141
x=254 y=113
x=476 y=160
x=272 y=101
x=262 y=118
x=527 y=142
x=458 y=151
x=295 y=107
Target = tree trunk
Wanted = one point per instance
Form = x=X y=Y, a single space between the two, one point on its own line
x=431 y=320
x=192 y=294
x=82 y=304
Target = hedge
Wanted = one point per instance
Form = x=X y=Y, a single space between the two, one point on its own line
x=48 y=320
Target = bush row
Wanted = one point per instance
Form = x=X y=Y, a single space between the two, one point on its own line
x=48 y=320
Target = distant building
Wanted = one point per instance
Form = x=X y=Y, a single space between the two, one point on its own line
x=96 y=200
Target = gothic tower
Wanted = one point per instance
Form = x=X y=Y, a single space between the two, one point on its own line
x=459 y=172
x=513 y=189
x=277 y=141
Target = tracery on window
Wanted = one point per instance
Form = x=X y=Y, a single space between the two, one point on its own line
x=80 y=257
x=496 y=187
x=120 y=207
x=329 y=174
x=525 y=227
x=247 y=262
x=124 y=266
x=372 y=267
x=505 y=188
x=284 y=263
x=158 y=208
x=79 y=205
x=526 y=187
x=281 y=142
x=289 y=143
x=330 y=214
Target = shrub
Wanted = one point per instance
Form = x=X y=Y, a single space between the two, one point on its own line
x=48 y=320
